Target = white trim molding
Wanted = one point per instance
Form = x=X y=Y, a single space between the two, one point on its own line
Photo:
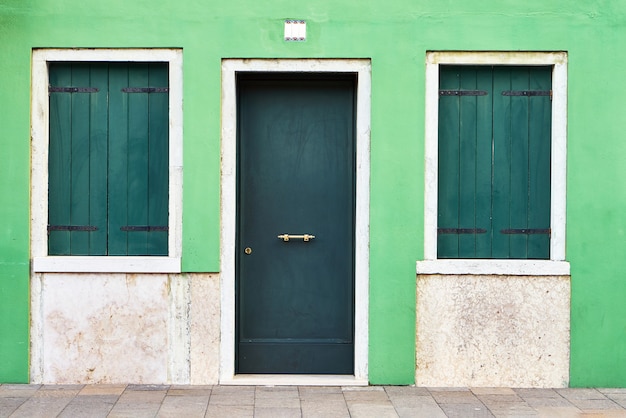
x=556 y=264
x=230 y=67
x=39 y=180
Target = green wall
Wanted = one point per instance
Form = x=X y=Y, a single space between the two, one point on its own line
x=396 y=36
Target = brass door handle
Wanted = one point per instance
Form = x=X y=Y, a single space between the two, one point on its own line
x=305 y=237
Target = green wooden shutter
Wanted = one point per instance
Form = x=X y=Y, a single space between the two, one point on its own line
x=494 y=162
x=108 y=159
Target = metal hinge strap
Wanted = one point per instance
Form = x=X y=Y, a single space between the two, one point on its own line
x=72 y=228
x=145 y=89
x=527 y=93
x=461 y=230
x=143 y=228
x=462 y=92
x=528 y=231
x=52 y=89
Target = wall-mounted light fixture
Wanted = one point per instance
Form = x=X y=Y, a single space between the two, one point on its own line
x=295 y=30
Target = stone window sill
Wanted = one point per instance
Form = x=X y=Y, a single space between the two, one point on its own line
x=494 y=267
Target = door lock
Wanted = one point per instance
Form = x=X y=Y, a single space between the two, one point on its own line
x=248 y=250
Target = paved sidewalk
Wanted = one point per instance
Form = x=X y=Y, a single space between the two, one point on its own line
x=304 y=401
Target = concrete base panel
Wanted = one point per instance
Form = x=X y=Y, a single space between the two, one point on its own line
x=124 y=328
x=492 y=331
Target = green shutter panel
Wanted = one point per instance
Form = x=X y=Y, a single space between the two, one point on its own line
x=494 y=162
x=77 y=159
x=108 y=163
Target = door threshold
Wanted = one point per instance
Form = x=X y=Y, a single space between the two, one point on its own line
x=294 y=380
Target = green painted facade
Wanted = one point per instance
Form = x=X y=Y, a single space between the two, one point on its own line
x=395 y=36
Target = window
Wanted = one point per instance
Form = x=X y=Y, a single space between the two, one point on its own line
x=107 y=166
x=495 y=163
x=108 y=159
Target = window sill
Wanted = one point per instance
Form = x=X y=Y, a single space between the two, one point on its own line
x=494 y=267
x=105 y=264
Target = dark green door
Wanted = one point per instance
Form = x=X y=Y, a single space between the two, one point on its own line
x=296 y=176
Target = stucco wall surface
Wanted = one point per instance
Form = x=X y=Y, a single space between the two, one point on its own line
x=125 y=328
x=395 y=36
x=492 y=331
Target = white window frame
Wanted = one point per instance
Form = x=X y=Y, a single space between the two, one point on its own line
x=230 y=68
x=41 y=261
x=556 y=265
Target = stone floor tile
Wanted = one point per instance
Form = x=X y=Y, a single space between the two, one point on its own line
x=559 y=412
x=455 y=397
x=89 y=406
x=406 y=391
x=60 y=392
x=184 y=406
x=372 y=410
x=374 y=394
x=321 y=397
x=548 y=402
x=465 y=410
x=61 y=387
x=603 y=413
x=147 y=387
x=279 y=396
x=493 y=391
x=18 y=391
x=417 y=406
x=605 y=391
x=589 y=404
x=236 y=390
x=102 y=390
x=617 y=398
x=306 y=390
x=232 y=399
x=230 y=411
x=537 y=393
x=8 y=405
x=192 y=391
x=580 y=393
x=185 y=387
x=277 y=390
x=499 y=398
x=271 y=412
x=448 y=389
x=134 y=410
x=143 y=396
x=426 y=412
x=41 y=407
x=277 y=402
x=324 y=408
x=412 y=401
x=362 y=389
x=510 y=409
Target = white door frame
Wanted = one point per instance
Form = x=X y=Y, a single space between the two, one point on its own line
x=230 y=67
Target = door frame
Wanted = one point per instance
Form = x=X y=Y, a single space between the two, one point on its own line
x=362 y=70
